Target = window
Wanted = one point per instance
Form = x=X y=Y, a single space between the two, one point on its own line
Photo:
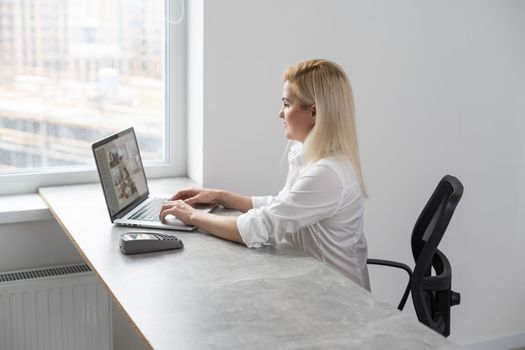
x=75 y=71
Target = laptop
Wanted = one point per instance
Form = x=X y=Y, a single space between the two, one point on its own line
x=125 y=188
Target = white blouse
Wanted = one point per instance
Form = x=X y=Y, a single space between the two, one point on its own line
x=319 y=210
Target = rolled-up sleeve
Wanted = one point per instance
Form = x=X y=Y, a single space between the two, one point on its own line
x=315 y=196
x=261 y=201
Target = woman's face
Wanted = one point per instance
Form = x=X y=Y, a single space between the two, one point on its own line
x=298 y=121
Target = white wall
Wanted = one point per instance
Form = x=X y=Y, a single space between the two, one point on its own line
x=28 y=245
x=439 y=89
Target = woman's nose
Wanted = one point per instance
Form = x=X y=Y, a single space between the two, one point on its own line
x=281 y=114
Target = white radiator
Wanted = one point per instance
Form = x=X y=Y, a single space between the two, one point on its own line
x=56 y=308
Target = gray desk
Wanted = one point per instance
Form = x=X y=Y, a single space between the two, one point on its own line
x=221 y=295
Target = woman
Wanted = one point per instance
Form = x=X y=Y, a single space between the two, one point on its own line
x=320 y=209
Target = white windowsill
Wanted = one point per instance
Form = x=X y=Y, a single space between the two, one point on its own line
x=22 y=208
x=31 y=207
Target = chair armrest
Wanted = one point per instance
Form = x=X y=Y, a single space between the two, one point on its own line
x=398 y=266
x=391 y=264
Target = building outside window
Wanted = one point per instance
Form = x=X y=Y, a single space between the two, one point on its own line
x=75 y=71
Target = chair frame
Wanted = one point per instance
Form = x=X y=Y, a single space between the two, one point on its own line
x=432 y=295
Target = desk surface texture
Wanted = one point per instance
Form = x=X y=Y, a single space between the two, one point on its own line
x=215 y=294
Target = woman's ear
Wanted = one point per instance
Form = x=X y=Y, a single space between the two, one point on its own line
x=314 y=110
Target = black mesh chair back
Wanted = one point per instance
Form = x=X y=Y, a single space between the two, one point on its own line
x=431 y=293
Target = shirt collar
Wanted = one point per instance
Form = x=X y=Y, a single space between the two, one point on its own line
x=295 y=156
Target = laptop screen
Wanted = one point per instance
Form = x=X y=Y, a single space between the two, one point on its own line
x=120 y=169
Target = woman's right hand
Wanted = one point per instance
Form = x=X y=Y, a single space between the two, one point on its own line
x=194 y=196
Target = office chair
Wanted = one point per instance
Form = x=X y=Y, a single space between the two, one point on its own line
x=432 y=294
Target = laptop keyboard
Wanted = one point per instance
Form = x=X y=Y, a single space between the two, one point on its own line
x=149 y=212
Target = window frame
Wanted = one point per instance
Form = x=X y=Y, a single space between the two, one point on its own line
x=29 y=180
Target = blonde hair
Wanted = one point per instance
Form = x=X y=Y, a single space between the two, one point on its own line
x=324 y=84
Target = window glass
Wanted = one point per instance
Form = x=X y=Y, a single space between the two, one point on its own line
x=75 y=71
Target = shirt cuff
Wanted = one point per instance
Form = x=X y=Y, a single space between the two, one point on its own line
x=261 y=201
x=252 y=229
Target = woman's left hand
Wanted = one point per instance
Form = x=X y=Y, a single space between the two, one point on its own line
x=179 y=209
